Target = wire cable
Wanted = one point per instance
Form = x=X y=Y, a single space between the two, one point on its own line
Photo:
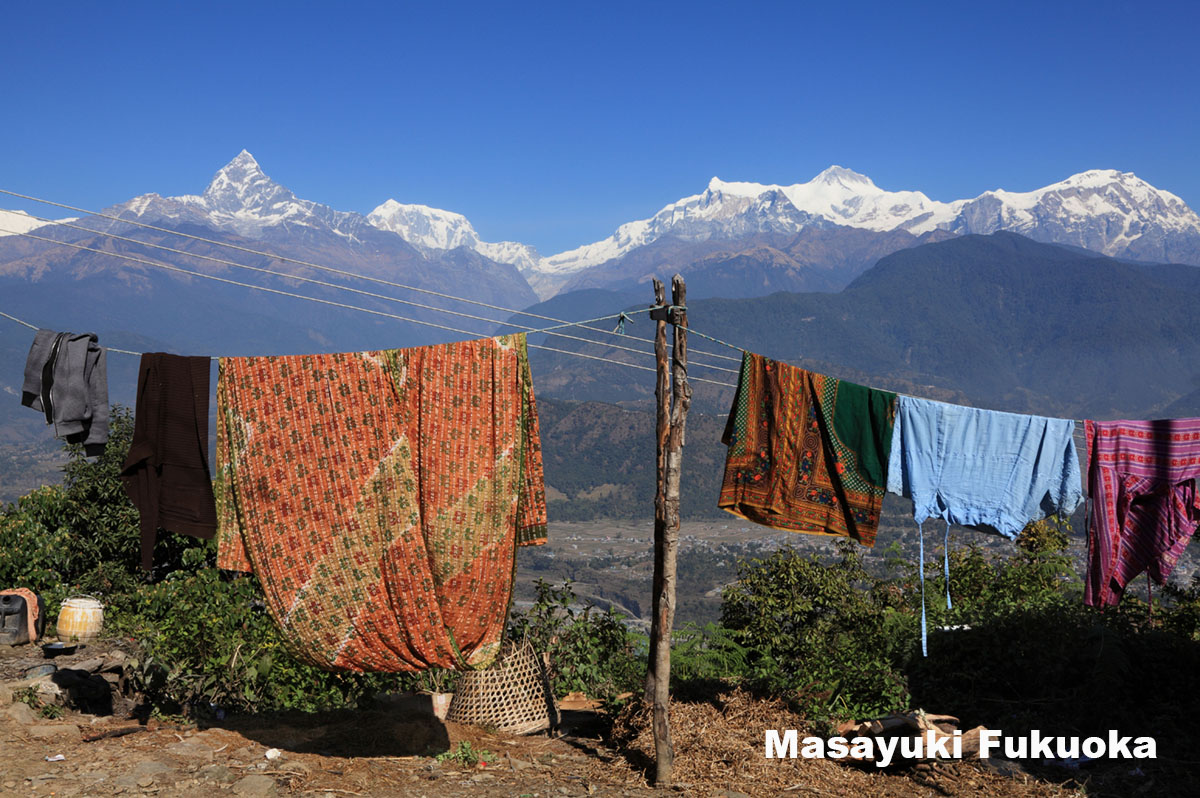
x=464 y=332
x=311 y=265
x=326 y=284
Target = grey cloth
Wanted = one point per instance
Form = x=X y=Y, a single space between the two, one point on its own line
x=66 y=377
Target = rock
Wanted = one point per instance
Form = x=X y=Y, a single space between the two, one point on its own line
x=151 y=767
x=48 y=690
x=146 y=771
x=55 y=731
x=6 y=695
x=216 y=772
x=255 y=786
x=114 y=661
x=90 y=665
x=21 y=713
x=190 y=749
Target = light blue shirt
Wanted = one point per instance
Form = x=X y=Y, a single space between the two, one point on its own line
x=985 y=468
x=981 y=468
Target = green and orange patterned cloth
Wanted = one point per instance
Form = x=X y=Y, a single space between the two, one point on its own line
x=807 y=452
x=380 y=497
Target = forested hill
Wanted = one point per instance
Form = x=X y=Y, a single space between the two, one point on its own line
x=995 y=321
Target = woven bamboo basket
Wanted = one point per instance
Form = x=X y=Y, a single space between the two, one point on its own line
x=511 y=696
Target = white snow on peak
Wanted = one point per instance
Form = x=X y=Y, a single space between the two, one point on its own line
x=435 y=229
x=1101 y=209
x=241 y=198
x=1104 y=210
x=17 y=222
x=727 y=209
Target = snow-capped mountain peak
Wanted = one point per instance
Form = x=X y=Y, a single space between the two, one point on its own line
x=240 y=184
x=243 y=199
x=1104 y=210
x=430 y=229
x=846 y=178
x=423 y=226
x=16 y=222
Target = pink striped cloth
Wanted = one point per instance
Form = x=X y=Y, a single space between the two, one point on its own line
x=1145 y=506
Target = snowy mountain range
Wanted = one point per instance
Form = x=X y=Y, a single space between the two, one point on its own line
x=1106 y=211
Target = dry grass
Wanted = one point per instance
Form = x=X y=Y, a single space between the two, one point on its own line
x=719 y=746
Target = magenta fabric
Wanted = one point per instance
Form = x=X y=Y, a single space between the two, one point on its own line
x=1145 y=506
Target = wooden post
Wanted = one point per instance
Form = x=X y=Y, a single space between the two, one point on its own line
x=662 y=395
x=666 y=532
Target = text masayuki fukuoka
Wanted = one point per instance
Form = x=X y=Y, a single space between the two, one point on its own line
x=882 y=750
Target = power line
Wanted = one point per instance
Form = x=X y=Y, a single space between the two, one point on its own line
x=309 y=264
x=464 y=332
x=323 y=283
x=333 y=303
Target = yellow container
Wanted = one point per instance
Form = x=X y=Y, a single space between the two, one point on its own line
x=80 y=619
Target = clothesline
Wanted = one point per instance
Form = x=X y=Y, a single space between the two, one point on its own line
x=309 y=264
x=440 y=326
x=547 y=330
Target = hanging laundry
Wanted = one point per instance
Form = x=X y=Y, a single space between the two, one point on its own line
x=1145 y=504
x=380 y=497
x=983 y=468
x=166 y=472
x=806 y=452
x=66 y=377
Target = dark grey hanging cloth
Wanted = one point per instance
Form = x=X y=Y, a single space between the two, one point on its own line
x=66 y=378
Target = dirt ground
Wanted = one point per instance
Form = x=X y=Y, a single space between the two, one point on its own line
x=392 y=750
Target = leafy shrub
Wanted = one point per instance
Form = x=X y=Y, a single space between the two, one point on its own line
x=207 y=641
x=590 y=651
x=825 y=633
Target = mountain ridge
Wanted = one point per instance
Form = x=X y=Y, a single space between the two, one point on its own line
x=1103 y=210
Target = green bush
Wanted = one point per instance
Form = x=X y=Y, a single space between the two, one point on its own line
x=205 y=640
x=826 y=634
x=590 y=651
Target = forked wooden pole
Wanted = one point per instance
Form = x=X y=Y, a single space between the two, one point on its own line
x=662 y=396
x=666 y=526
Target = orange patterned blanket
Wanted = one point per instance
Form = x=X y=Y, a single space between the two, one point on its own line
x=380 y=497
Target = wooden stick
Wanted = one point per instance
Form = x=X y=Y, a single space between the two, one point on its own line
x=662 y=396
x=91 y=738
x=668 y=521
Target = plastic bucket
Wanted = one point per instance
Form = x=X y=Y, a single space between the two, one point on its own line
x=80 y=619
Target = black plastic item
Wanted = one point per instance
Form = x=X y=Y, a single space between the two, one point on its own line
x=56 y=649
x=14 y=620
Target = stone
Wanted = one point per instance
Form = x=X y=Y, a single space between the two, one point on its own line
x=21 y=713
x=54 y=731
x=6 y=695
x=190 y=749
x=255 y=787
x=151 y=767
x=48 y=690
x=216 y=772
x=89 y=665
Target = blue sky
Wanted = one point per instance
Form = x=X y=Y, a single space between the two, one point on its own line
x=553 y=123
